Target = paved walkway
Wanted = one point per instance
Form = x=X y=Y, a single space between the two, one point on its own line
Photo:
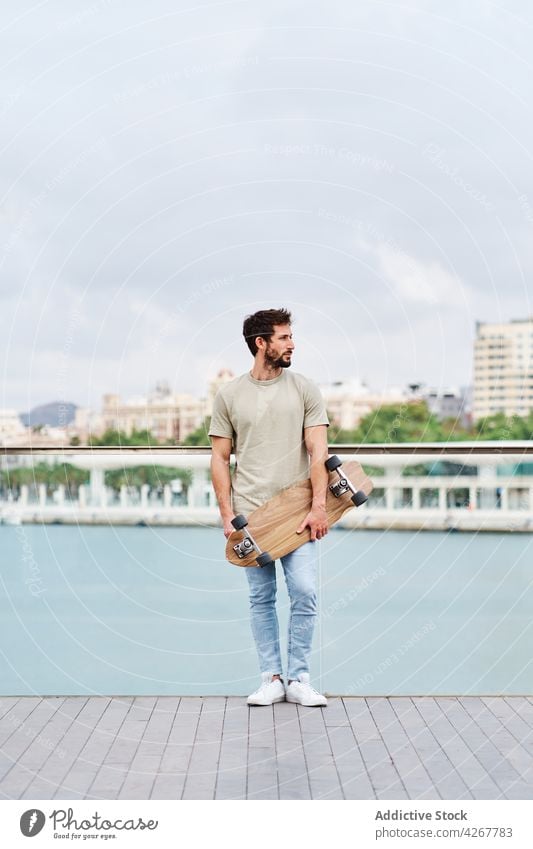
x=218 y=748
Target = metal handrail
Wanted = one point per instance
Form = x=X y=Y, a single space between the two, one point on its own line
x=500 y=447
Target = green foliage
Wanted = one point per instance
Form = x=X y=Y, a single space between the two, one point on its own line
x=152 y=475
x=337 y=436
x=64 y=473
x=408 y=422
x=418 y=469
x=374 y=471
x=413 y=422
x=500 y=426
x=393 y=423
x=453 y=431
x=200 y=435
x=119 y=437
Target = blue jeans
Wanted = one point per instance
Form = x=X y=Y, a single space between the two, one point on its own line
x=300 y=569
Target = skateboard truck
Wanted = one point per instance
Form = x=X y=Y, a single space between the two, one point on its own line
x=344 y=484
x=248 y=544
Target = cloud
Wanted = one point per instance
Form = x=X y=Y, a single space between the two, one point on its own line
x=414 y=280
x=283 y=149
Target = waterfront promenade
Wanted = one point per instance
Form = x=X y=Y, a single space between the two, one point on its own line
x=217 y=748
x=486 y=486
x=412 y=746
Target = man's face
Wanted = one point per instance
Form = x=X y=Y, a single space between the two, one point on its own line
x=278 y=352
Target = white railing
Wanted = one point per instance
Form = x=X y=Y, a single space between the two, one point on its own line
x=487 y=499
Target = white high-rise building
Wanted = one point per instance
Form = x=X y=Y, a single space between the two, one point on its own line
x=503 y=368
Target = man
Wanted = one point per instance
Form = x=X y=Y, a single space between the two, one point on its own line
x=277 y=424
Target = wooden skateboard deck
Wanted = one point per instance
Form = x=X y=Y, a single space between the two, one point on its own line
x=273 y=525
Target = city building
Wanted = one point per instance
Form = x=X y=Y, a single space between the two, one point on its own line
x=86 y=422
x=11 y=427
x=165 y=414
x=347 y=402
x=223 y=376
x=503 y=368
x=449 y=402
x=44 y=436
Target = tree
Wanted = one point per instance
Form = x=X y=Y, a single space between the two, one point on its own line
x=64 y=473
x=119 y=437
x=408 y=422
x=154 y=476
x=200 y=436
x=500 y=426
x=453 y=430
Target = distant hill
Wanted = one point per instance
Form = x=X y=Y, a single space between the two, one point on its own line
x=55 y=414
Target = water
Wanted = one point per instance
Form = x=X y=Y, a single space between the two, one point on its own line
x=139 y=610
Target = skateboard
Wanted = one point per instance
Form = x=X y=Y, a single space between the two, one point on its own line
x=270 y=531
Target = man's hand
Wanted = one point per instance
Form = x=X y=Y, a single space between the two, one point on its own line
x=317 y=521
x=228 y=527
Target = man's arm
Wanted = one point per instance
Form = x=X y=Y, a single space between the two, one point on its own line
x=316 y=443
x=221 y=478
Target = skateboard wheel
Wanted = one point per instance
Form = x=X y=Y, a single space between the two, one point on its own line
x=264 y=559
x=239 y=522
x=333 y=463
x=359 y=498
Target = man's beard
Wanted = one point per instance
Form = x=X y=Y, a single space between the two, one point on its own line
x=276 y=362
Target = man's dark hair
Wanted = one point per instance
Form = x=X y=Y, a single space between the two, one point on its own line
x=262 y=324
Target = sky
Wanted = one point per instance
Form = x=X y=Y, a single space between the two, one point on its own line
x=168 y=168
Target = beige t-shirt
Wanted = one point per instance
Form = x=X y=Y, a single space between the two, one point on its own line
x=265 y=421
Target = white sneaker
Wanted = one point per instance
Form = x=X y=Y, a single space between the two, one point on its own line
x=301 y=693
x=269 y=692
